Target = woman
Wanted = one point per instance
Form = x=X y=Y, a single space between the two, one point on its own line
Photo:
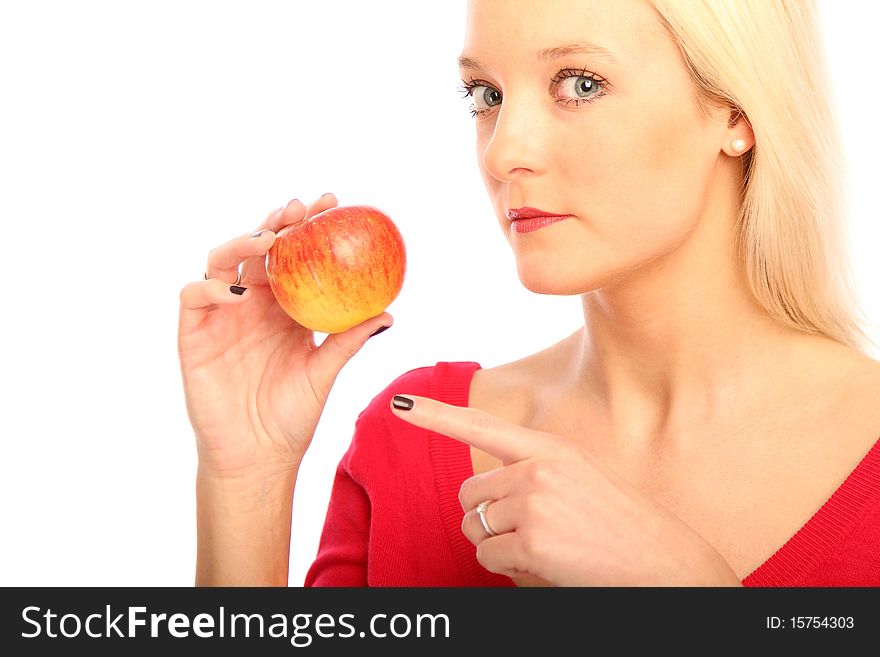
x=715 y=421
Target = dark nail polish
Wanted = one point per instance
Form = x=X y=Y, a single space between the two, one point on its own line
x=258 y=233
x=237 y=289
x=379 y=330
x=402 y=403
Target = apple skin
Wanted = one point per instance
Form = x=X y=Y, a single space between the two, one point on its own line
x=338 y=268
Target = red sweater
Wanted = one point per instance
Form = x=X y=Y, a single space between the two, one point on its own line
x=394 y=518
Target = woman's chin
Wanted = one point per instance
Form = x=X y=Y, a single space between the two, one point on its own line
x=548 y=281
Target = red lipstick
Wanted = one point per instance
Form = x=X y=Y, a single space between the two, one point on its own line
x=526 y=219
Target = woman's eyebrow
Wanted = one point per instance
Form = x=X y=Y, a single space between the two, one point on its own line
x=550 y=54
x=566 y=49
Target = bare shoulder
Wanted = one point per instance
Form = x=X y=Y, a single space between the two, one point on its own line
x=502 y=391
x=511 y=387
x=853 y=378
x=871 y=372
x=867 y=377
x=847 y=389
x=508 y=391
x=824 y=386
x=866 y=387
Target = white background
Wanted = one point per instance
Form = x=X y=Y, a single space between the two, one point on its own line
x=136 y=136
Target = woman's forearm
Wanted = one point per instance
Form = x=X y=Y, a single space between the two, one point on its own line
x=243 y=529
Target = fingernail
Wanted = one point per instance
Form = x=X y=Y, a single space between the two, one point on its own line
x=402 y=403
x=326 y=194
x=258 y=233
x=237 y=289
x=379 y=330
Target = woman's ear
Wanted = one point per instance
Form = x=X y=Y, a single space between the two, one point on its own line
x=739 y=137
x=735 y=115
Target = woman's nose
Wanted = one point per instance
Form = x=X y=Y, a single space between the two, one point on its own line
x=516 y=147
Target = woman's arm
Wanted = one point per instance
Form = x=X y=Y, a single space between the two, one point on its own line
x=243 y=529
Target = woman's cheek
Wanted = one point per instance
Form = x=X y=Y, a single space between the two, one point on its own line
x=659 y=188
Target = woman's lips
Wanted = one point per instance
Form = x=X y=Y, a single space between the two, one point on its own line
x=530 y=213
x=526 y=220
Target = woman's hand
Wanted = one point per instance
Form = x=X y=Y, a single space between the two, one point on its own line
x=561 y=516
x=254 y=380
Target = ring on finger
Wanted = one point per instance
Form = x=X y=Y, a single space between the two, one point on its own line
x=481 y=512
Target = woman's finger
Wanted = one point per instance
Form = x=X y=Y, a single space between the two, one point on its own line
x=500 y=516
x=253 y=270
x=295 y=211
x=199 y=297
x=504 y=554
x=494 y=484
x=275 y=222
x=320 y=204
x=225 y=260
x=247 y=253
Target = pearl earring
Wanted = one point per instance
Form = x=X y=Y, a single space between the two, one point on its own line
x=738 y=145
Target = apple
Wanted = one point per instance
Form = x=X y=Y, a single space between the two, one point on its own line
x=338 y=268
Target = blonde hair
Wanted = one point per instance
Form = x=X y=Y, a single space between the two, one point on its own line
x=765 y=59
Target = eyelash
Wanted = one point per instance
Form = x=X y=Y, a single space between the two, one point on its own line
x=468 y=86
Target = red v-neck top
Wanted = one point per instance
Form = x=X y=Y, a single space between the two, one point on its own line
x=394 y=517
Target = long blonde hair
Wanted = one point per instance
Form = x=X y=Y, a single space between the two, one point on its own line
x=765 y=58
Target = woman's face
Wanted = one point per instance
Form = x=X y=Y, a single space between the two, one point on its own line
x=614 y=138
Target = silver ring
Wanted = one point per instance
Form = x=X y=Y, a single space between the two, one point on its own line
x=237 y=278
x=481 y=511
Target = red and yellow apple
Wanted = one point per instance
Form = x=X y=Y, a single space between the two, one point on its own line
x=338 y=268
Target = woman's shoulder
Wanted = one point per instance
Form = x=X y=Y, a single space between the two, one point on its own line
x=446 y=381
x=382 y=442
x=859 y=388
x=501 y=390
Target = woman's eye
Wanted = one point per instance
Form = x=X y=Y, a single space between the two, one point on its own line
x=579 y=87
x=485 y=97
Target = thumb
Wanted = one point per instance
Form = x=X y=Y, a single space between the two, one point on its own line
x=338 y=348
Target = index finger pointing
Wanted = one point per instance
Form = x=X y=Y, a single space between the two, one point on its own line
x=494 y=435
